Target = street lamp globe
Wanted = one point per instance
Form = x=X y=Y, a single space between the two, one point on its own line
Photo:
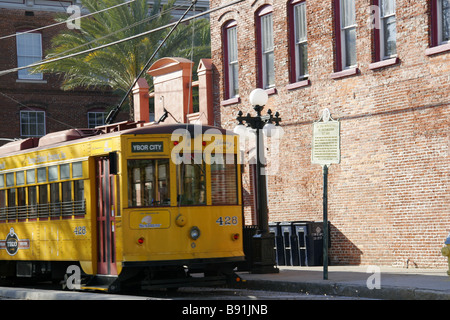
x=258 y=97
x=269 y=129
x=240 y=130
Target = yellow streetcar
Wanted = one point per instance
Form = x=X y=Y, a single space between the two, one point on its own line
x=126 y=203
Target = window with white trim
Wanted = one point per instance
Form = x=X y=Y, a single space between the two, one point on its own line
x=348 y=33
x=231 y=58
x=443 y=21
x=96 y=118
x=300 y=41
x=388 y=29
x=266 y=48
x=32 y=123
x=29 y=50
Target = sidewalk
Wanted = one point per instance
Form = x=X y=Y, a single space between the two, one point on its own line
x=351 y=281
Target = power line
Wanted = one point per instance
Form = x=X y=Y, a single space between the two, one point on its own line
x=112 y=115
x=32 y=109
x=147 y=19
x=65 y=21
x=118 y=41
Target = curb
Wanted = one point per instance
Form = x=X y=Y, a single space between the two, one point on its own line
x=347 y=290
x=36 y=294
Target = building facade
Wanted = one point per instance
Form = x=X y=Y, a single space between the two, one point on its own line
x=382 y=67
x=32 y=105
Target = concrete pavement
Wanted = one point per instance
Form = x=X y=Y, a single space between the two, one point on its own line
x=350 y=281
x=356 y=281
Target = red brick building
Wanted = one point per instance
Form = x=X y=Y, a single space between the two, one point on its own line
x=34 y=104
x=382 y=67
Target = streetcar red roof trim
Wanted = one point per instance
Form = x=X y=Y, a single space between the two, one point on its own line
x=67 y=137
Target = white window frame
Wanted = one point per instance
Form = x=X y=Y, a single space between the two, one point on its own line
x=232 y=53
x=267 y=48
x=24 y=57
x=299 y=75
x=383 y=18
x=345 y=28
x=38 y=124
x=440 y=19
x=94 y=115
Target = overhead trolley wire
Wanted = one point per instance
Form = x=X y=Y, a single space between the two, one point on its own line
x=112 y=115
x=46 y=61
x=120 y=30
x=65 y=21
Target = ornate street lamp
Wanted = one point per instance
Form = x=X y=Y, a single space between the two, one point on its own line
x=263 y=242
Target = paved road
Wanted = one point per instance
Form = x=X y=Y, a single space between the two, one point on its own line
x=47 y=292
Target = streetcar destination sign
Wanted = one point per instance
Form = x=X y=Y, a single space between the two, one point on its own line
x=153 y=146
x=326 y=142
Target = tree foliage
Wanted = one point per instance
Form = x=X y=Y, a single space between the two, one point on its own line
x=116 y=67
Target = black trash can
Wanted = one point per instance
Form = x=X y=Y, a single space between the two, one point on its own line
x=315 y=243
x=249 y=232
x=290 y=252
x=274 y=227
x=299 y=243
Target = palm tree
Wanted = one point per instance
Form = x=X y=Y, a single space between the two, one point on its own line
x=116 y=67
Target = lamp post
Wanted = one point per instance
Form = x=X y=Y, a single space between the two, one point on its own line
x=263 y=256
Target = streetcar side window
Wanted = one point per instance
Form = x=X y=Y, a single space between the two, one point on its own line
x=43 y=194
x=40 y=193
x=224 y=188
x=148 y=183
x=64 y=171
x=55 y=206
x=53 y=173
x=32 y=202
x=20 y=178
x=77 y=170
x=191 y=183
x=31 y=176
x=10 y=179
x=12 y=197
x=2 y=205
x=42 y=175
x=21 y=204
x=21 y=201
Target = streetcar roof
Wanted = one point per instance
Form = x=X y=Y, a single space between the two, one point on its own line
x=67 y=137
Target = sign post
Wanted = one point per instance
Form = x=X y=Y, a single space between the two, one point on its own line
x=326 y=150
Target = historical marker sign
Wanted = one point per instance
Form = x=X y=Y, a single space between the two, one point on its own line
x=326 y=145
x=326 y=150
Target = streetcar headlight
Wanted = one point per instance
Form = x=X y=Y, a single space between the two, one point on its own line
x=194 y=233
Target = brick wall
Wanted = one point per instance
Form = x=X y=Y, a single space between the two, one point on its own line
x=64 y=109
x=389 y=197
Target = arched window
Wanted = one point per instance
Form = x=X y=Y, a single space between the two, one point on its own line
x=298 y=40
x=230 y=58
x=265 y=47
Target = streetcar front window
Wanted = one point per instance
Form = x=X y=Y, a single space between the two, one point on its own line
x=148 y=183
x=191 y=183
x=224 y=188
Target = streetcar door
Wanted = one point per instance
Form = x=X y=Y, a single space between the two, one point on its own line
x=105 y=185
